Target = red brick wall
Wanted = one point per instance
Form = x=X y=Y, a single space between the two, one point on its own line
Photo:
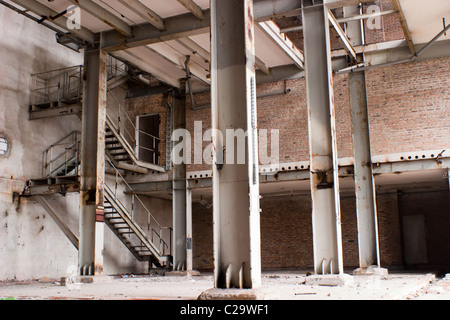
x=286 y=233
x=408 y=108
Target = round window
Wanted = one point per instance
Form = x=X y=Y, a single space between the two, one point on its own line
x=4 y=147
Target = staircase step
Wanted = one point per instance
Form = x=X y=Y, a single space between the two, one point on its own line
x=119 y=147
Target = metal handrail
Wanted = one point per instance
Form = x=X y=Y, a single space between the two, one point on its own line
x=56 y=85
x=135 y=196
x=71 y=150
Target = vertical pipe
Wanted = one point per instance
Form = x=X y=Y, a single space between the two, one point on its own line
x=237 y=258
x=323 y=149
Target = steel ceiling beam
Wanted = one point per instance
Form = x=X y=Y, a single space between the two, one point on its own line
x=62 y=22
x=185 y=25
x=342 y=36
x=347 y=19
x=405 y=29
x=273 y=32
x=193 y=8
x=195 y=48
x=167 y=53
x=104 y=15
x=144 y=12
x=143 y=65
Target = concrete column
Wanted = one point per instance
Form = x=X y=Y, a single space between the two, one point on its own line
x=236 y=213
x=93 y=164
x=326 y=218
x=363 y=176
x=179 y=187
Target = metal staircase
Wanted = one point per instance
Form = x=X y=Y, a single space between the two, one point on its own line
x=53 y=93
x=145 y=246
x=61 y=168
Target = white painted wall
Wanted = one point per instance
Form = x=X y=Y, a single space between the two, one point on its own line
x=31 y=245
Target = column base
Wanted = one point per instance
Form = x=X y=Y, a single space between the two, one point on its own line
x=370 y=271
x=329 y=280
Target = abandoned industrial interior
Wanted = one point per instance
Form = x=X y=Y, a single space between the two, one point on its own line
x=208 y=149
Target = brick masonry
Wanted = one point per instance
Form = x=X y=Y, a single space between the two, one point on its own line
x=286 y=232
x=409 y=108
x=408 y=111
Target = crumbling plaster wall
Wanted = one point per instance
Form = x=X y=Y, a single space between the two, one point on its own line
x=31 y=244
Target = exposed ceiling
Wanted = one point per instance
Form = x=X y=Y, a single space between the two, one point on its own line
x=166 y=60
x=424 y=18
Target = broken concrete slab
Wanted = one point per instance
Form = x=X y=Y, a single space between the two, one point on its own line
x=329 y=280
x=190 y=273
x=239 y=294
x=85 y=280
x=371 y=271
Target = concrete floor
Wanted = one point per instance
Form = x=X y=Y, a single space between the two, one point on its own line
x=284 y=285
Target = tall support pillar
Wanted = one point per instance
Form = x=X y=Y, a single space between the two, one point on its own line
x=236 y=211
x=326 y=218
x=189 y=256
x=179 y=185
x=93 y=164
x=364 y=182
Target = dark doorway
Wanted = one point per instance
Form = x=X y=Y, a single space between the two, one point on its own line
x=148 y=138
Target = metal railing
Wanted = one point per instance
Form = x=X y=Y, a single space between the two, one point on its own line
x=125 y=126
x=61 y=85
x=153 y=226
x=63 y=157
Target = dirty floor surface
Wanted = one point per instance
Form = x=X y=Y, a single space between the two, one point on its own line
x=285 y=285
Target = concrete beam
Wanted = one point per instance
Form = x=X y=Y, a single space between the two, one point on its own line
x=144 y=12
x=104 y=15
x=326 y=218
x=236 y=211
x=93 y=164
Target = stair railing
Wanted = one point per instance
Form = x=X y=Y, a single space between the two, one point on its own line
x=164 y=248
x=62 y=155
x=59 y=85
x=125 y=126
